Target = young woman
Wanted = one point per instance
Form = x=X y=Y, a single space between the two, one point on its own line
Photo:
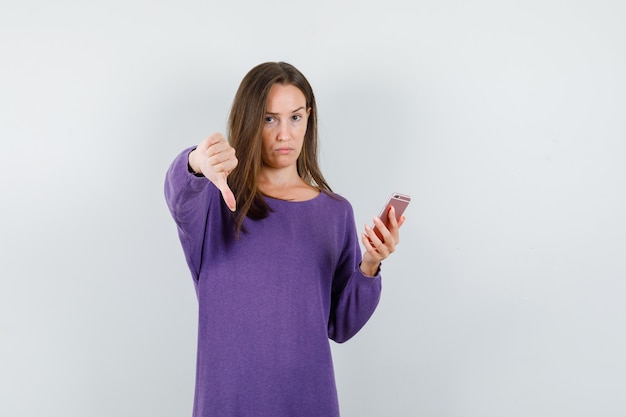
x=274 y=255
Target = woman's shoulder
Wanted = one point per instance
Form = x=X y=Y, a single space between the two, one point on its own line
x=337 y=200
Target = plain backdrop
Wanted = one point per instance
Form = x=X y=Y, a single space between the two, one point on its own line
x=504 y=120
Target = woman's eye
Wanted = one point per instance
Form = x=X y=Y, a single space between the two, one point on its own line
x=269 y=119
x=296 y=117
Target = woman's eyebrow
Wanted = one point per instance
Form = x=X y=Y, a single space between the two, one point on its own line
x=294 y=111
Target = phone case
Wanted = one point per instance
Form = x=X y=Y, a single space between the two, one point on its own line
x=399 y=202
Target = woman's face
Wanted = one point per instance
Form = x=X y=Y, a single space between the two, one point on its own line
x=285 y=125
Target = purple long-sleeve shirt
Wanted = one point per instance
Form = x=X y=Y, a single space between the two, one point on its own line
x=270 y=300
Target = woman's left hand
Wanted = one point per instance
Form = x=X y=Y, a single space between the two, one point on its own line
x=378 y=246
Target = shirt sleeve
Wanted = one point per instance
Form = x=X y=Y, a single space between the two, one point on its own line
x=354 y=296
x=185 y=194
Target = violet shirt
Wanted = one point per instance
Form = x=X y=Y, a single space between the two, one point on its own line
x=269 y=301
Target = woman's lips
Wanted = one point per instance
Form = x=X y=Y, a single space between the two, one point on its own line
x=284 y=151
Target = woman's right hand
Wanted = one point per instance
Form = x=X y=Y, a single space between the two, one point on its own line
x=215 y=159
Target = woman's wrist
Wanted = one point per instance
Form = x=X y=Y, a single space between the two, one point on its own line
x=370 y=269
x=190 y=165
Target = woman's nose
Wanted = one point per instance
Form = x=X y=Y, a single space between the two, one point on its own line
x=283 y=132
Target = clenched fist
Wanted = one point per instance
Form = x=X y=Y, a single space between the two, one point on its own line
x=215 y=159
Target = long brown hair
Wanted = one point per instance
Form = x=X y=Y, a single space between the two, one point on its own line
x=245 y=126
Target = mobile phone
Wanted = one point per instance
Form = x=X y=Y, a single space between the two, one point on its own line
x=399 y=202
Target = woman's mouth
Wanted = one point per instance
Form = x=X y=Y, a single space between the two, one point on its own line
x=284 y=151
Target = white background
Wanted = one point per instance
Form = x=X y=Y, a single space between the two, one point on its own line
x=505 y=120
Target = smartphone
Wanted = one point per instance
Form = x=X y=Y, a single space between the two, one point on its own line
x=399 y=202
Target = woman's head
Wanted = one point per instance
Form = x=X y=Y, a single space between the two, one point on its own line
x=249 y=108
x=245 y=129
x=284 y=128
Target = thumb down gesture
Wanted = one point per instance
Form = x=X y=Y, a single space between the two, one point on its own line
x=215 y=159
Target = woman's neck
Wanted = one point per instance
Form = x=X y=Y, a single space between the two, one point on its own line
x=285 y=184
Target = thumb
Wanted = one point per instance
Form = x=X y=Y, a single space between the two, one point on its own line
x=227 y=194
